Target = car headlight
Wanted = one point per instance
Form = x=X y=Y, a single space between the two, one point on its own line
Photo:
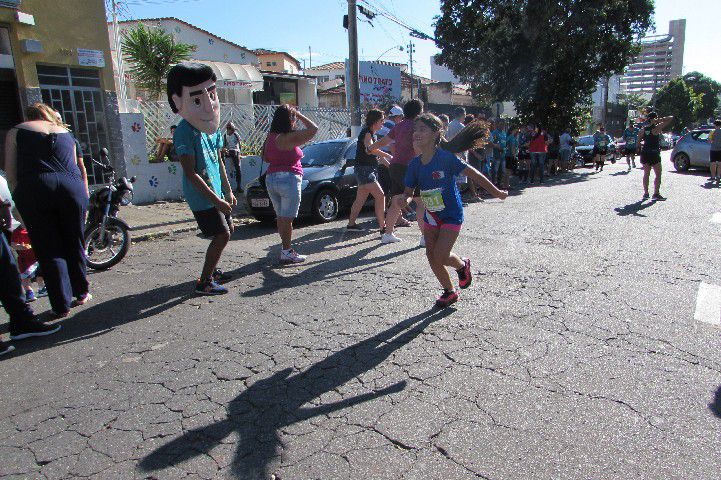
x=304 y=184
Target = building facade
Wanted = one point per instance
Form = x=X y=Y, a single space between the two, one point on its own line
x=279 y=62
x=660 y=61
x=50 y=54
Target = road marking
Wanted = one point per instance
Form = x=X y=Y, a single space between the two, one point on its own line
x=716 y=217
x=708 y=304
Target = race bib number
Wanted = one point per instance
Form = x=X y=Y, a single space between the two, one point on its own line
x=602 y=143
x=433 y=200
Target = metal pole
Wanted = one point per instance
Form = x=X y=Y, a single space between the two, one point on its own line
x=410 y=52
x=310 y=58
x=605 y=101
x=352 y=80
x=119 y=60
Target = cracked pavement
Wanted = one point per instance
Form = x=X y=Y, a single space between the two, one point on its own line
x=573 y=355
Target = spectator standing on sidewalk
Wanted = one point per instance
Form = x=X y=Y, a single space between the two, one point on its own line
x=499 y=139
x=565 y=149
x=198 y=142
x=231 y=147
x=285 y=174
x=395 y=116
x=538 y=148
x=42 y=171
x=714 y=139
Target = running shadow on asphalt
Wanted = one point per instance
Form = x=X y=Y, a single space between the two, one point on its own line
x=261 y=411
x=715 y=406
x=355 y=262
x=99 y=318
x=633 y=208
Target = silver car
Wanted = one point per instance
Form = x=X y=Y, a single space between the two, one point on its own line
x=692 y=150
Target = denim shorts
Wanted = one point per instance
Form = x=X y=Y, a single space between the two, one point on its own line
x=366 y=174
x=284 y=191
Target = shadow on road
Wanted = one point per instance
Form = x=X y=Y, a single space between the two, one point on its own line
x=267 y=406
x=633 y=208
x=710 y=185
x=310 y=272
x=715 y=406
x=565 y=178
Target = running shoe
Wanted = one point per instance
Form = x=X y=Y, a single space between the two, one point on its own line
x=43 y=292
x=645 y=196
x=220 y=276
x=5 y=348
x=209 y=287
x=355 y=228
x=290 y=256
x=390 y=238
x=29 y=295
x=659 y=197
x=464 y=274
x=447 y=298
x=31 y=328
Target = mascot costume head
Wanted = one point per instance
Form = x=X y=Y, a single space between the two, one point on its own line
x=192 y=95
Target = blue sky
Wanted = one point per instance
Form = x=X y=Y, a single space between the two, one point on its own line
x=295 y=25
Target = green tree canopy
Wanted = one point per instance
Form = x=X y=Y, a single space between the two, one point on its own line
x=678 y=99
x=151 y=52
x=544 y=55
x=709 y=89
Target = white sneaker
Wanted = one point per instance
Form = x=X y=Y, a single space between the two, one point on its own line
x=390 y=238
x=290 y=256
x=423 y=241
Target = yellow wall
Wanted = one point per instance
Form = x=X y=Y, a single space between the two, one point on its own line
x=62 y=26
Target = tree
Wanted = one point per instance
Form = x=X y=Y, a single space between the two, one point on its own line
x=151 y=52
x=709 y=90
x=678 y=99
x=545 y=55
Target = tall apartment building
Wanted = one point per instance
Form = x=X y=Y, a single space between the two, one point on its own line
x=660 y=61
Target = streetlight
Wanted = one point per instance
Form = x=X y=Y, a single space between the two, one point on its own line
x=399 y=47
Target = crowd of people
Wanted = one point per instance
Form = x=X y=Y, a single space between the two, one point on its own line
x=414 y=164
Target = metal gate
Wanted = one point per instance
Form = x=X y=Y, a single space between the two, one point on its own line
x=76 y=94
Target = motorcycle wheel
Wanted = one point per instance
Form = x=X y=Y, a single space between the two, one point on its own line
x=103 y=253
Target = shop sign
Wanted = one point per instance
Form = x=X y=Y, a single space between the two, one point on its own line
x=91 y=58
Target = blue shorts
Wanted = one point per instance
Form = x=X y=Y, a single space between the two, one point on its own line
x=284 y=192
x=366 y=174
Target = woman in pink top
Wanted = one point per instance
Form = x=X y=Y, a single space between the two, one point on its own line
x=285 y=173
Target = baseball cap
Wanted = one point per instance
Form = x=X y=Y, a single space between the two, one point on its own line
x=396 y=110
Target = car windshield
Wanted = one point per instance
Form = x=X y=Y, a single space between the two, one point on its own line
x=585 y=141
x=322 y=154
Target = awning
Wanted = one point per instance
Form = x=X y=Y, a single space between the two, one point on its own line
x=235 y=75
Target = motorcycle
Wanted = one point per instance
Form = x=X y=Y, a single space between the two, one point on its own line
x=107 y=237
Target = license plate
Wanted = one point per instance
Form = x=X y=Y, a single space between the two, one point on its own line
x=260 y=202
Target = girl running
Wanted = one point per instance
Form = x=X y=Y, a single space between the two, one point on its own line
x=434 y=172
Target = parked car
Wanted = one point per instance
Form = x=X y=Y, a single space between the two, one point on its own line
x=584 y=147
x=328 y=186
x=692 y=150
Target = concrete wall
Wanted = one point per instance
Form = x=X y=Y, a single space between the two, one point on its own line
x=282 y=63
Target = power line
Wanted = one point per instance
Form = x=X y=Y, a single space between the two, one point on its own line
x=414 y=32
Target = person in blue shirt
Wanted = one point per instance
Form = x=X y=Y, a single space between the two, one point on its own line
x=198 y=144
x=601 y=142
x=434 y=172
x=630 y=136
x=499 y=139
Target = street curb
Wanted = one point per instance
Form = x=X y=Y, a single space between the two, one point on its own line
x=166 y=233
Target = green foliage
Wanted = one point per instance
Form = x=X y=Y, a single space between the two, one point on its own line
x=544 y=55
x=151 y=52
x=709 y=90
x=678 y=99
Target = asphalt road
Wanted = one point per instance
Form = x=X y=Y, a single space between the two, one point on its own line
x=577 y=352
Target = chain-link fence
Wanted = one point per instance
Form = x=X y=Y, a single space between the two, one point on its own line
x=251 y=121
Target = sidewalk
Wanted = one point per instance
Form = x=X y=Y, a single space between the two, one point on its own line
x=161 y=219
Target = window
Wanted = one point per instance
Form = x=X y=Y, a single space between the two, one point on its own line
x=267 y=64
x=274 y=64
x=322 y=154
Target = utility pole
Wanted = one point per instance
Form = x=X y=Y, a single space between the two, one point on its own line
x=119 y=59
x=352 y=82
x=605 y=101
x=411 y=49
x=310 y=58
